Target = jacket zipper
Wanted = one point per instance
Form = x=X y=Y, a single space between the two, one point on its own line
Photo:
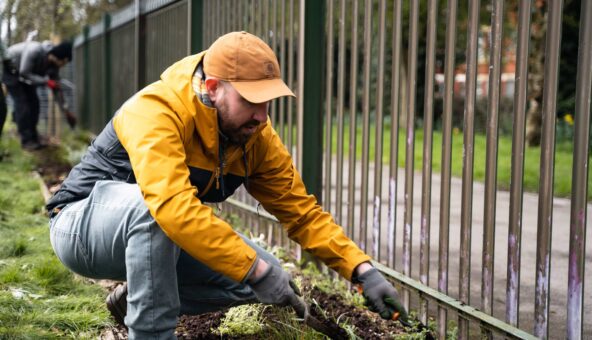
x=209 y=186
x=216 y=175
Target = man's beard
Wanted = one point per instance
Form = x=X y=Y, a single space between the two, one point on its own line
x=235 y=134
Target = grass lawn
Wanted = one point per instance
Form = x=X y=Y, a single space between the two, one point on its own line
x=563 y=158
x=39 y=297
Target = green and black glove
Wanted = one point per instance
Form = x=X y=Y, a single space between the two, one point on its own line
x=381 y=297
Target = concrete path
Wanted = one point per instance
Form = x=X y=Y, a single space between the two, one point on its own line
x=559 y=256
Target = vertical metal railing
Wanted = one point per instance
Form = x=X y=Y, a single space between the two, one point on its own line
x=311 y=46
x=353 y=71
x=410 y=142
x=394 y=142
x=328 y=108
x=359 y=118
x=517 y=171
x=577 y=240
x=379 y=131
x=468 y=162
x=428 y=129
x=495 y=64
x=340 y=114
x=279 y=121
x=274 y=46
x=443 y=245
x=545 y=212
x=291 y=73
x=363 y=224
x=97 y=102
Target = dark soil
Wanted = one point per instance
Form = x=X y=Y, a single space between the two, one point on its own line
x=367 y=324
x=52 y=166
x=53 y=169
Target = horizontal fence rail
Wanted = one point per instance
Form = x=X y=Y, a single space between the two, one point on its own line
x=386 y=93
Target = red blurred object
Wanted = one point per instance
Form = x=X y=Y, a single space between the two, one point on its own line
x=52 y=84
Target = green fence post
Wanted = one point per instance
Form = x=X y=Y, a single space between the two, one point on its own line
x=140 y=47
x=314 y=56
x=312 y=96
x=86 y=78
x=196 y=26
x=107 y=68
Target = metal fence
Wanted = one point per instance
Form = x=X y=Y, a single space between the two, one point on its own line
x=468 y=259
x=52 y=121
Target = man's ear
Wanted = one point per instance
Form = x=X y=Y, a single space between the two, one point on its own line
x=212 y=86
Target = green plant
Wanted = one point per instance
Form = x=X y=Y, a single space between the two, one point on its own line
x=564 y=129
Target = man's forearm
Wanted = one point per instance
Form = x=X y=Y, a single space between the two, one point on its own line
x=361 y=269
x=260 y=268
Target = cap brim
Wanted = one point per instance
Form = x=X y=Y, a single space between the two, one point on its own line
x=260 y=91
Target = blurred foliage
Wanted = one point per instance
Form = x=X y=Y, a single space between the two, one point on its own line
x=566 y=91
x=51 y=19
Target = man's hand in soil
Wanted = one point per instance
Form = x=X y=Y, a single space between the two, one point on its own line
x=274 y=286
x=381 y=296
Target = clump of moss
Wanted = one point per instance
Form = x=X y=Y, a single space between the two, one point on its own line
x=242 y=320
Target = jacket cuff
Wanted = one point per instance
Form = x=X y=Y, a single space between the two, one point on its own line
x=251 y=270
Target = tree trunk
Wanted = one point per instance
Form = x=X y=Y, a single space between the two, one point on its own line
x=8 y=16
x=403 y=102
x=536 y=72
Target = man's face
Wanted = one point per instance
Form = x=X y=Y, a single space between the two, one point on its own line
x=239 y=119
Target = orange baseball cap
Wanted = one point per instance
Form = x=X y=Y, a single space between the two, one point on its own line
x=249 y=64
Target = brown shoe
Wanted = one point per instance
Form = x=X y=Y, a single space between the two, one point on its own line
x=117 y=303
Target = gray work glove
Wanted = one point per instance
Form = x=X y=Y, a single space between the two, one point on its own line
x=275 y=286
x=381 y=297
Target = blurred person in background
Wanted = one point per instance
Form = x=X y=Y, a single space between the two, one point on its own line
x=27 y=65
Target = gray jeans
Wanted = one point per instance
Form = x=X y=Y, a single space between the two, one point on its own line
x=111 y=235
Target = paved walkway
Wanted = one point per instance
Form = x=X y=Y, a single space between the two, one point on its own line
x=559 y=256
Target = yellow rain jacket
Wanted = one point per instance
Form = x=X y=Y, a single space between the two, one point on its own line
x=172 y=141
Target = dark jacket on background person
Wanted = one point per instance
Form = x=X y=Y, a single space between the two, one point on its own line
x=27 y=62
